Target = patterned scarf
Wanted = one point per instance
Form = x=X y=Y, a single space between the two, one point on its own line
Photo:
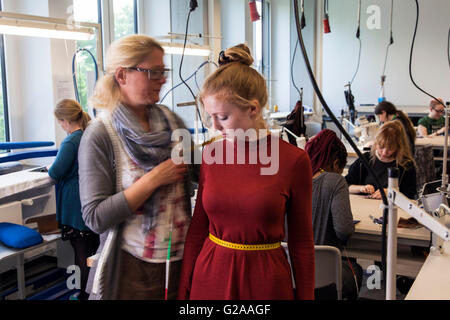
x=147 y=150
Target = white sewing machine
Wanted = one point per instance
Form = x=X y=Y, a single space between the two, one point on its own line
x=363 y=130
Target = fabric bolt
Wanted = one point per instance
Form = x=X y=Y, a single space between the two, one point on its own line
x=235 y=203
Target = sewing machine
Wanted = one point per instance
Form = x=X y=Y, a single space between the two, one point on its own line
x=363 y=130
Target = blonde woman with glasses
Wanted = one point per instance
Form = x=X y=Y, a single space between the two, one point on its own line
x=132 y=193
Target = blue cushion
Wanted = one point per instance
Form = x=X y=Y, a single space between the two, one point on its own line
x=17 y=236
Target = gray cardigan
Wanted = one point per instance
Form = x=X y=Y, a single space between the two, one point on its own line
x=102 y=206
x=332 y=215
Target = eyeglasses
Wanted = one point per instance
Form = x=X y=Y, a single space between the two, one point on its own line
x=156 y=74
x=440 y=110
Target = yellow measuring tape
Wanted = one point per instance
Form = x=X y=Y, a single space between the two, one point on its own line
x=244 y=246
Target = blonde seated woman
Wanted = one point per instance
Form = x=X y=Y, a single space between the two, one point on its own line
x=391 y=149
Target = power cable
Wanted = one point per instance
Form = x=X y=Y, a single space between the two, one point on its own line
x=358 y=30
x=188 y=78
x=411 y=54
x=193 y=5
x=344 y=133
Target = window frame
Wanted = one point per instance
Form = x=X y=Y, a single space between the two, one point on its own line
x=266 y=36
x=106 y=20
x=4 y=85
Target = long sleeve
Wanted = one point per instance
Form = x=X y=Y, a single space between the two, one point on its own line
x=341 y=212
x=408 y=183
x=300 y=232
x=102 y=207
x=67 y=155
x=196 y=235
x=357 y=171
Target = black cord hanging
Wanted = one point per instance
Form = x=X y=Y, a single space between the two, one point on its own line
x=344 y=133
x=358 y=33
x=193 y=5
x=349 y=98
x=411 y=54
x=74 y=74
x=391 y=41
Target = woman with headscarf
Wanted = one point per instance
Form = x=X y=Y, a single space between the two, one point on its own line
x=331 y=213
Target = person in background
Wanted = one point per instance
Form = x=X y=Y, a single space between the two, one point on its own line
x=389 y=150
x=433 y=124
x=233 y=246
x=331 y=211
x=73 y=120
x=133 y=193
x=386 y=111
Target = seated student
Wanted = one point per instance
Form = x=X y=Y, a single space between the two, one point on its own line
x=331 y=212
x=386 y=111
x=389 y=150
x=433 y=124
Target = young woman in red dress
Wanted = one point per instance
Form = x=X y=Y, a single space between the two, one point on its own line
x=246 y=207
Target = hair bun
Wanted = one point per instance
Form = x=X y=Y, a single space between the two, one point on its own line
x=239 y=53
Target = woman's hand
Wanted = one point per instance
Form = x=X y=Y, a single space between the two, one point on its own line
x=168 y=172
x=165 y=173
x=377 y=194
x=368 y=188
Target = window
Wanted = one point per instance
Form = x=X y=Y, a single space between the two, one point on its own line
x=125 y=17
x=4 y=121
x=257 y=39
x=261 y=38
x=120 y=20
x=86 y=11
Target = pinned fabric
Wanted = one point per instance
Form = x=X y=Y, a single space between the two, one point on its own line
x=17 y=236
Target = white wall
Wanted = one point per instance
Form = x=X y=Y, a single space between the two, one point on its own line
x=233 y=22
x=430 y=66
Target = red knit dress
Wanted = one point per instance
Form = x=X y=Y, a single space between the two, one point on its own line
x=237 y=204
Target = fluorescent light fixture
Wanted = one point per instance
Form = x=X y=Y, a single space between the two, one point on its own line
x=190 y=50
x=45 y=29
